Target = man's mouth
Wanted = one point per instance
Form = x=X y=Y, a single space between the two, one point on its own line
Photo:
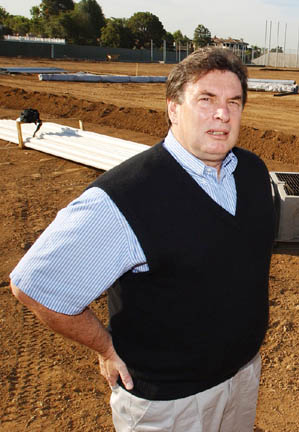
x=217 y=133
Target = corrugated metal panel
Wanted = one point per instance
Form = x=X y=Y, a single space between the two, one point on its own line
x=88 y=148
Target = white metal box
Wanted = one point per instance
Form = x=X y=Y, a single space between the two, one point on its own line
x=285 y=189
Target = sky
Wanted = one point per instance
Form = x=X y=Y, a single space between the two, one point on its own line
x=239 y=19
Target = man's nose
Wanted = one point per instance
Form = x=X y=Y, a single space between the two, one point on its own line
x=222 y=113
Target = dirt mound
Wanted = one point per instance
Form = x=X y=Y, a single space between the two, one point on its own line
x=137 y=119
x=268 y=144
x=271 y=145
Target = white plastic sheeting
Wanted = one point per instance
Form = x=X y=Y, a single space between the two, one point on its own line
x=31 y=70
x=83 y=77
x=264 y=80
x=282 y=86
x=88 y=148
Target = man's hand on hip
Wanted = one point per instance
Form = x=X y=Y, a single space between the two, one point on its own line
x=112 y=367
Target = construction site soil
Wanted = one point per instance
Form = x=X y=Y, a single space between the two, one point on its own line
x=47 y=382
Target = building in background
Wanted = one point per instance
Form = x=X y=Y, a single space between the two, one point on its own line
x=233 y=44
x=238 y=46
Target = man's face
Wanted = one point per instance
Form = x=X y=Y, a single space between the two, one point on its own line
x=207 y=122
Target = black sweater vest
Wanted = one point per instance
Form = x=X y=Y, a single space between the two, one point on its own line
x=201 y=311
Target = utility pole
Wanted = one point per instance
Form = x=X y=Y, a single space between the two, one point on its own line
x=269 y=49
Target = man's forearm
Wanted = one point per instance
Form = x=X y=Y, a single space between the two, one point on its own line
x=84 y=328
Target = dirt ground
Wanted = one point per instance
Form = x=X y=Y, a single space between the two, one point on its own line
x=48 y=383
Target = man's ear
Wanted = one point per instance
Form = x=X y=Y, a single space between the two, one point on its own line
x=172 y=108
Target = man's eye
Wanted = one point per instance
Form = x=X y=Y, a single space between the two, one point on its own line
x=235 y=102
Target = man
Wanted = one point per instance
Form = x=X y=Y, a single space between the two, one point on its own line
x=182 y=233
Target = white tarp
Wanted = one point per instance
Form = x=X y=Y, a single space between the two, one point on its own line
x=31 y=70
x=259 y=84
x=281 y=86
x=87 y=77
x=265 y=80
x=88 y=148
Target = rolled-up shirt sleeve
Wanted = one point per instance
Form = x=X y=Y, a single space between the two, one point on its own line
x=82 y=253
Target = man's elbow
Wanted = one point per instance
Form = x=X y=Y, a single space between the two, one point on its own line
x=27 y=301
x=16 y=291
x=45 y=315
x=22 y=297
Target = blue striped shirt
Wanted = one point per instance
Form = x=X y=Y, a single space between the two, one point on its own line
x=90 y=244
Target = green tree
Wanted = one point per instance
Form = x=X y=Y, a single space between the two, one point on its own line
x=56 y=26
x=202 y=36
x=55 y=7
x=18 y=24
x=79 y=23
x=47 y=18
x=4 y=29
x=37 y=26
x=89 y=20
x=146 y=27
x=3 y=15
x=35 y=12
x=117 y=34
x=71 y=27
x=178 y=36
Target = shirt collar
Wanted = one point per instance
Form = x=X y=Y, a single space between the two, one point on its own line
x=191 y=163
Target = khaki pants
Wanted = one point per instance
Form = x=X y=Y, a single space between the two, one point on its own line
x=227 y=407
